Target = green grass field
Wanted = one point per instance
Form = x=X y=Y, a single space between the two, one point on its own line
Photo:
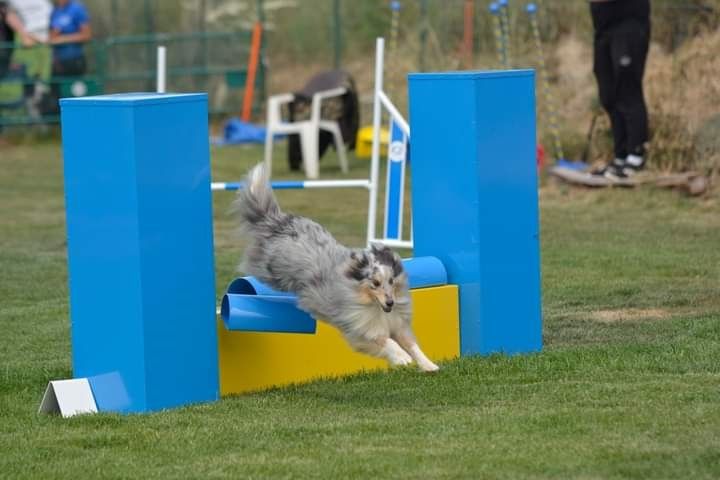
x=627 y=386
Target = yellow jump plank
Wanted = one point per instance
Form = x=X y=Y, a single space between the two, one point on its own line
x=251 y=361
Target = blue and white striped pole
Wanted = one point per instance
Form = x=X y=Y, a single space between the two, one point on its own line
x=297 y=184
x=531 y=10
x=394 y=191
x=498 y=34
x=505 y=22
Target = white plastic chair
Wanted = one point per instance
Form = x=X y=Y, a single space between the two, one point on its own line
x=308 y=130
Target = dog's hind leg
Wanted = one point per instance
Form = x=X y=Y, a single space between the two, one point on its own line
x=382 y=347
x=406 y=339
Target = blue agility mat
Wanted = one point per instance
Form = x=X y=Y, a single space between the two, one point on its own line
x=237 y=132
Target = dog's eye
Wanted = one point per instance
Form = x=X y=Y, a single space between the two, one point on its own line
x=376 y=283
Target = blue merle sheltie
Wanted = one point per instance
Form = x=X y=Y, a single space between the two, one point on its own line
x=363 y=293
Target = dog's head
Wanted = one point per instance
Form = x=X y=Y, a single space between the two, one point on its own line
x=379 y=275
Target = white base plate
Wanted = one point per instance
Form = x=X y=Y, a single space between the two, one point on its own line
x=68 y=398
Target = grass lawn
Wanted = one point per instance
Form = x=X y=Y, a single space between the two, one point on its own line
x=628 y=384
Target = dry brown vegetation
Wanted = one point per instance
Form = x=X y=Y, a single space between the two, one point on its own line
x=683 y=95
x=682 y=90
x=682 y=77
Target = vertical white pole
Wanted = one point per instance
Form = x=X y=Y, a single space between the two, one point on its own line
x=375 y=159
x=161 y=69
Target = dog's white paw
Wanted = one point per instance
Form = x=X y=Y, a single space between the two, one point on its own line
x=396 y=355
x=401 y=360
x=429 y=367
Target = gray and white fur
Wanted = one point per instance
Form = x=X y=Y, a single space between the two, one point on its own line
x=363 y=293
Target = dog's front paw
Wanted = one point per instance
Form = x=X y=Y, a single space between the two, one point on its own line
x=428 y=367
x=400 y=360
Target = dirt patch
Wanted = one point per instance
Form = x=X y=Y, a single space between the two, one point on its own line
x=628 y=315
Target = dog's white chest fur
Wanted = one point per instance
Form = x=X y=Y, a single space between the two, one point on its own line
x=372 y=322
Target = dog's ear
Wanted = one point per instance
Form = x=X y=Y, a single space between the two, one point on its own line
x=357 y=269
x=380 y=250
x=386 y=256
x=397 y=265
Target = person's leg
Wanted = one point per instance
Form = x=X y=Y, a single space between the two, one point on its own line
x=629 y=52
x=72 y=67
x=618 y=125
x=50 y=104
x=606 y=81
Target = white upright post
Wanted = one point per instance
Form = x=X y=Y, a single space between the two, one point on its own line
x=375 y=158
x=161 y=69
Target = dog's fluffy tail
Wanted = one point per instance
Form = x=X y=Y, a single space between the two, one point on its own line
x=255 y=204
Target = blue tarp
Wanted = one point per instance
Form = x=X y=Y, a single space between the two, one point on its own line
x=572 y=164
x=238 y=132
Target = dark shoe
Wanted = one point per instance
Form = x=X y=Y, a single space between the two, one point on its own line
x=632 y=165
x=616 y=165
x=626 y=174
x=615 y=173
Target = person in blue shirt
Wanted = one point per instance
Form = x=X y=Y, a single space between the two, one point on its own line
x=69 y=29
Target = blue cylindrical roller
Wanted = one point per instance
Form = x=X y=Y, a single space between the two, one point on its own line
x=253 y=286
x=425 y=272
x=265 y=313
x=250 y=305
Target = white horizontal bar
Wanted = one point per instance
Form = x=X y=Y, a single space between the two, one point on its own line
x=393 y=243
x=394 y=113
x=298 y=184
x=337 y=183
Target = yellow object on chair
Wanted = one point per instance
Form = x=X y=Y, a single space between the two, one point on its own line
x=363 y=143
x=251 y=361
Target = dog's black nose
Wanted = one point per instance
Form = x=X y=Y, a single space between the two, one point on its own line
x=389 y=303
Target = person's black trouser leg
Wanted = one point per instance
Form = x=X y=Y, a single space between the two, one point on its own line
x=629 y=51
x=606 y=80
x=619 y=65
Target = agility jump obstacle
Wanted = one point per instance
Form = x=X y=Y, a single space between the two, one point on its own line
x=145 y=334
x=301 y=349
x=396 y=162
